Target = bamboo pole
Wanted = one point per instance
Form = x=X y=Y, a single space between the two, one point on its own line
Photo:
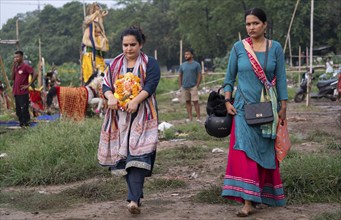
x=311 y=52
x=291 y=21
x=203 y=71
x=299 y=64
x=43 y=73
x=290 y=52
x=8 y=86
x=39 y=64
x=17 y=33
x=180 y=52
x=306 y=57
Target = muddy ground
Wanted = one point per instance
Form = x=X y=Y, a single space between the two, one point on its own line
x=178 y=203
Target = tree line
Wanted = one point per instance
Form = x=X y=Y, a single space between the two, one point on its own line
x=210 y=27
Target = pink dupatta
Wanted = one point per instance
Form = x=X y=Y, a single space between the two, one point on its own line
x=257 y=68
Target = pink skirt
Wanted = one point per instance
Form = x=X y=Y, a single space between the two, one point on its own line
x=247 y=180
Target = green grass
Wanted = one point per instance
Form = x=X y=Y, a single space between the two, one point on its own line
x=212 y=195
x=179 y=156
x=192 y=131
x=326 y=139
x=54 y=153
x=312 y=178
x=296 y=138
x=100 y=190
x=291 y=93
x=162 y=184
x=34 y=201
x=96 y=191
x=328 y=216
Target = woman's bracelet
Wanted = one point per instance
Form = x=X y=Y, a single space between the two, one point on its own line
x=228 y=100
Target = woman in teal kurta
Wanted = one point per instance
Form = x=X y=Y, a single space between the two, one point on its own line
x=252 y=173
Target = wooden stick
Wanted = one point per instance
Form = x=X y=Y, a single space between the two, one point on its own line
x=9 y=91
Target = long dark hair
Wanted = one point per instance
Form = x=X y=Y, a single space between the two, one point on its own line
x=259 y=13
x=134 y=31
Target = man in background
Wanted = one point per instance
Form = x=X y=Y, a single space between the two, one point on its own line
x=20 y=75
x=189 y=81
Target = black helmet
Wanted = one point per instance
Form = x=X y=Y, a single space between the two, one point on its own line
x=219 y=126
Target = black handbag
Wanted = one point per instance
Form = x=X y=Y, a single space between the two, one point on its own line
x=261 y=112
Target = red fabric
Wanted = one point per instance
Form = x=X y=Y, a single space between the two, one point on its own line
x=260 y=73
x=240 y=167
x=22 y=73
x=36 y=100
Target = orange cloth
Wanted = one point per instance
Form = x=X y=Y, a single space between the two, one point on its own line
x=72 y=102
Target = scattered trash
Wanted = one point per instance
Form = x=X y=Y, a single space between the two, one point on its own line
x=42 y=192
x=181 y=134
x=164 y=125
x=175 y=194
x=217 y=150
x=176 y=140
x=176 y=100
x=194 y=176
x=3 y=155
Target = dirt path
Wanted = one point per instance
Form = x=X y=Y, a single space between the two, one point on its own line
x=178 y=203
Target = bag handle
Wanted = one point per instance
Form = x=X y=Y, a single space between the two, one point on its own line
x=226 y=100
x=223 y=86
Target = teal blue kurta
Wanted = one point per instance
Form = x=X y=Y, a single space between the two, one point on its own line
x=249 y=138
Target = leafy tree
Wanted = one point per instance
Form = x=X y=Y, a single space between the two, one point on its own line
x=210 y=27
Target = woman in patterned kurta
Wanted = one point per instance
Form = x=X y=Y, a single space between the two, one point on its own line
x=129 y=137
x=252 y=173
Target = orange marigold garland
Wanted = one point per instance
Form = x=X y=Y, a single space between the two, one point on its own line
x=127 y=87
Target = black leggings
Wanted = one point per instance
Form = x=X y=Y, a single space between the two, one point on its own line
x=22 y=102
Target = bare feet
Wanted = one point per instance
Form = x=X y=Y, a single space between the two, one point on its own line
x=261 y=206
x=133 y=208
x=246 y=210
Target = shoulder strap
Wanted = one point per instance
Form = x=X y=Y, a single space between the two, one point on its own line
x=264 y=68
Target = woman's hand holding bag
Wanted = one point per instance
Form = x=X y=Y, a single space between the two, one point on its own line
x=282 y=142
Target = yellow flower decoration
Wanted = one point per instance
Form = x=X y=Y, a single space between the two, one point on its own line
x=127 y=87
